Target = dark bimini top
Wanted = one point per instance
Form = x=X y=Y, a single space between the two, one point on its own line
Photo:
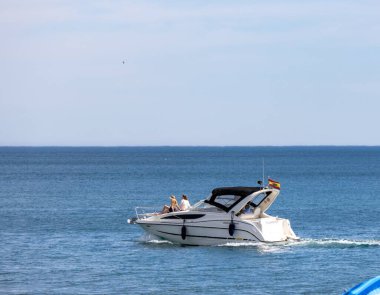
x=242 y=191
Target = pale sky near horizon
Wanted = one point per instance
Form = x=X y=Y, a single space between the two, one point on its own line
x=196 y=72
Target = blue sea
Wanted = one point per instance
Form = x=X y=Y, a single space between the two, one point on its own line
x=64 y=213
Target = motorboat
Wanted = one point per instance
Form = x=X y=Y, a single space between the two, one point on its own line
x=229 y=214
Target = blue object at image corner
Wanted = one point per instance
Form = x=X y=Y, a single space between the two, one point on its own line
x=369 y=287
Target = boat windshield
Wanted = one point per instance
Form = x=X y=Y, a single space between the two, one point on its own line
x=202 y=206
x=226 y=200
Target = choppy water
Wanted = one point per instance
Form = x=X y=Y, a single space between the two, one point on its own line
x=64 y=211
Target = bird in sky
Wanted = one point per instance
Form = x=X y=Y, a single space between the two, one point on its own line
x=124 y=61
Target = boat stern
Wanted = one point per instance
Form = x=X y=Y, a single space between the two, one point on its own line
x=276 y=230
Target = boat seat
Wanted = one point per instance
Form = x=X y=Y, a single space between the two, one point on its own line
x=256 y=214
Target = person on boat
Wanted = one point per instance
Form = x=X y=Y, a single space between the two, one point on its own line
x=185 y=204
x=247 y=209
x=173 y=206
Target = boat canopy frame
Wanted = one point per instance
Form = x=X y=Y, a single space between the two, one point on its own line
x=240 y=191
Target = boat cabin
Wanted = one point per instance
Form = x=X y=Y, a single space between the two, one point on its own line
x=234 y=199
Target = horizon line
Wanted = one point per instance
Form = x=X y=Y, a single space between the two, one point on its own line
x=179 y=146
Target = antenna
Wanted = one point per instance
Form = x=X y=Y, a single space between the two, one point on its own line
x=261 y=183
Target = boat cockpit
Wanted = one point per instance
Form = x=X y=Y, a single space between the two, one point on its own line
x=235 y=199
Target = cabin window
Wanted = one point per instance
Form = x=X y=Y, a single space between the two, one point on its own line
x=259 y=198
x=184 y=216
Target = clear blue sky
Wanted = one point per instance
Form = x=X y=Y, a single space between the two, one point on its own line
x=197 y=72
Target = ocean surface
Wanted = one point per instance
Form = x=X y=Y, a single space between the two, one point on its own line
x=64 y=212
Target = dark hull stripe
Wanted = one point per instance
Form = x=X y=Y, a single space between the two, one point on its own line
x=223 y=228
x=219 y=238
x=192 y=223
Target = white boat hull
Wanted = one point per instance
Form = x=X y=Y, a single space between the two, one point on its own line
x=217 y=232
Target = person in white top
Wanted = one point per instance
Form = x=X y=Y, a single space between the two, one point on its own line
x=185 y=204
